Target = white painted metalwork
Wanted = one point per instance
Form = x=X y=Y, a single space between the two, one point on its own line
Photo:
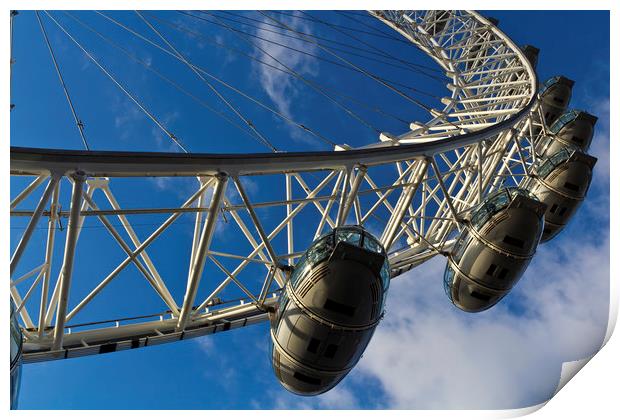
x=411 y=190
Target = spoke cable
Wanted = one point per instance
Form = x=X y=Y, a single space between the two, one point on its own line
x=373 y=108
x=309 y=83
x=370 y=75
x=13 y=14
x=222 y=82
x=78 y=122
x=318 y=57
x=391 y=37
x=263 y=23
x=217 y=93
x=349 y=15
x=119 y=85
x=161 y=76
x=409 y=66
x=331 y=25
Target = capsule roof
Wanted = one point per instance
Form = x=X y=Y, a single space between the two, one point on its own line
x=531 y=53
x=493 y=20
x=556 y=80
x=355 y=235
x=324 y=246
x=570 y=116
x=565 y=154
x=496 y=202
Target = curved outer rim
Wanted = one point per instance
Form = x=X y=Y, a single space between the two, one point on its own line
x=446 y=65
x=35 y=161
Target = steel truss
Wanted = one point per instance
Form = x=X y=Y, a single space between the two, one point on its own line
x=411 y=190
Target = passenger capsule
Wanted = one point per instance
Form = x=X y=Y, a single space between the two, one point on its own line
x=531 y=53
x=573 y=128
x=494 y=250
x=555 y=95
x=494 y=21
x=561 y=182
x=328 y=310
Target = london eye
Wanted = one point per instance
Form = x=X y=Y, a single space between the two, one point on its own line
x=115 y=246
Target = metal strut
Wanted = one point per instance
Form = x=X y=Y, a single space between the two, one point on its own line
x=67 y=271
x=197 y=264
x=78 y=122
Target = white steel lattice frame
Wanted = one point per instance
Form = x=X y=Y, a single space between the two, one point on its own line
x=411 y=190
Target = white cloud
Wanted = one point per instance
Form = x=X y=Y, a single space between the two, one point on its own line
x=228 y=55
x=206 y=344
x=127 y=115
x=279 y=399
x=597 y=202
x=193 y=28
x=180 y=187
x=427 y=354
x=339 y=398
x=147 y=59
x=284 y=89
x=600 y=142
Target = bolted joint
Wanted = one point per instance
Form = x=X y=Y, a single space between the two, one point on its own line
x=78 y=176
x=286 y=268
x=221 y=176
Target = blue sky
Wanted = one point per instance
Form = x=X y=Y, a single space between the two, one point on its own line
x=425 y=353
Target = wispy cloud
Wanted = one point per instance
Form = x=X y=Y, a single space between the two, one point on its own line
x=194 y=29
x=338 y=398
x=283 y=89
x=427 y=354
x=126 y=116
x=597 y=202
x=147 y=58
x=163 y=141
x=600 y=142
x=229 y=56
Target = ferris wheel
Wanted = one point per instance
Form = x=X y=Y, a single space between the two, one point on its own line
x=500 y=168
